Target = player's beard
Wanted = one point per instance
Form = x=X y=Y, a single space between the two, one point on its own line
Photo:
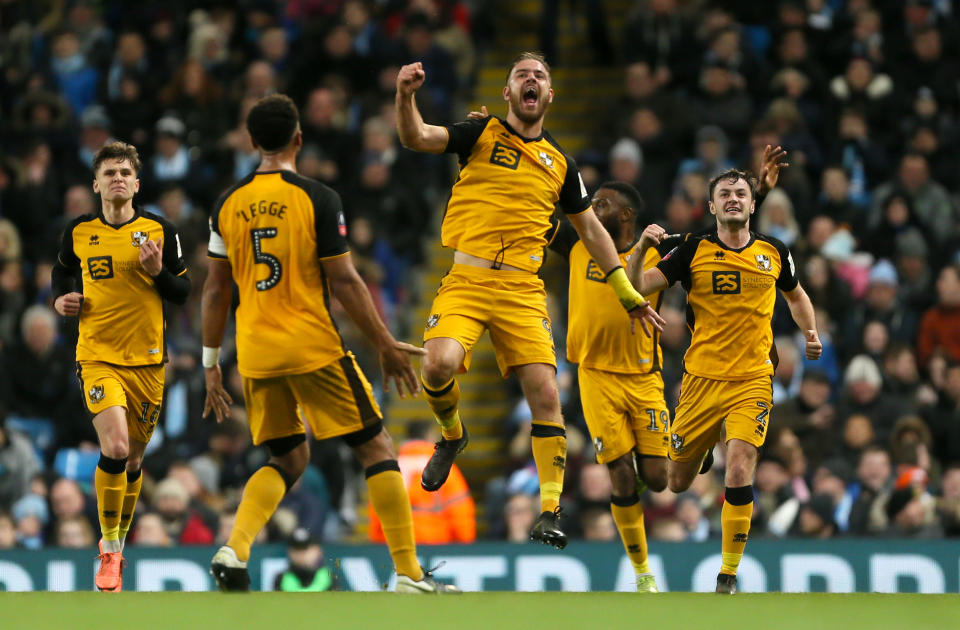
x=613 y=226
x=734 y=222
x=529 y=117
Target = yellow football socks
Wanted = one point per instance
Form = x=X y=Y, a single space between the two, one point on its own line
x=134 y=482
x=549 y=443
x=110 y=481
x=443 y=401
x=735 y=526
x=389 y=498
x=261 y=496
x=628 y=515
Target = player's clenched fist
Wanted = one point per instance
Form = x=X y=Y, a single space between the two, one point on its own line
x=410 y=78
x=652 y=236
x=69 y=304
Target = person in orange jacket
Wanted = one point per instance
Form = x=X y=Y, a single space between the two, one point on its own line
x=441 y=517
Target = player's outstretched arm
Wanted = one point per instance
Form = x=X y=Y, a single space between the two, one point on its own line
x=214 y=308
x=352 y=292
x=600 y=246
x=413 y=132
x=802 y=310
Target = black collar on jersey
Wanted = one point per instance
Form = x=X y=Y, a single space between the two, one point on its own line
x=629 y=247
x=279 y=170
x=714 y=237
x=517 y=134
x=137 y=213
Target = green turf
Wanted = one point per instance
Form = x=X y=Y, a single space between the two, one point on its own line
x=490 y=611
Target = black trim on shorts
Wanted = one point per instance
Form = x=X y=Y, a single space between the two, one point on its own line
x=379 y=467
x=364 y=435
x=546 y=431
x=360 y=396
x=283 y=445
x=625 y=501
x=288 y=479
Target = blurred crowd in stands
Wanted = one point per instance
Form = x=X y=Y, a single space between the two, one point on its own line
x=864 y=94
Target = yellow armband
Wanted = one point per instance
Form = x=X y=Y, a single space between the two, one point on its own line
x=629 y=297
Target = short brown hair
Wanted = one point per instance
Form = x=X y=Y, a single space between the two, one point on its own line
x=117 y=151
x=536 y=56
x=731 y=176
x=273 y=121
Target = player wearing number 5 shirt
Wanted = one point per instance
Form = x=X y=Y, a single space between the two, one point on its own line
x=282 y=238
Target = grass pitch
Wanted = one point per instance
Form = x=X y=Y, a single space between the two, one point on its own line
x=489 y=611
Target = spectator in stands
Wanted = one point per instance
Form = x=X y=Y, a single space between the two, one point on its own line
x=8 y=530
x=881 y=304
x=519 y=513
x=690 y=514
x=31 y=516
x=859 y=154
x=76 y=78
x=816 y=518
x=911 y=512
x=662 y=36
x=858 y=434
x=948 y=505
x=931 y=201
x=67 y=501
x=721 y=102
x=940 y=326
x=811 y=416
x=870 y=491
x=74 y=532
x=18 y=464
x=39 y=373
x=183 y=524
x=863 y=394
x=149 y=531
x=306 y=571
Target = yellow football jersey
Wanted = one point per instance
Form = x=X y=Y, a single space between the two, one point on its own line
x=501 y=206
x=598 y=328
x=274 y=227
x=730 y=299
x=122 y=320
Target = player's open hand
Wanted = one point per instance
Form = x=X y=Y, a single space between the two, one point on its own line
x=814 y=347
x=652 y=236
x=481 y=114
x=645 y=314
x=218 y=400
x=69 y=304
x=410 y=78
x=395 y=365
x=151 y=256
x=770 y=168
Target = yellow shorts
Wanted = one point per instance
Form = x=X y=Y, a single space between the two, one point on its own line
x=624 y=412
x=706 y=405
x=139 y=390
x=335 y=400
x=512 y=305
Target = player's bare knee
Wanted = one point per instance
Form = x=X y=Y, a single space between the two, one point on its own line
x=679 y=480
x=115 y=447
x=437 y=369
x=656 y=482
x=134 y=462
x=544 y=401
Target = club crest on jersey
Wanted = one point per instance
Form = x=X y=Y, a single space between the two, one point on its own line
x=763 y=263
x=598 y=444
x=433 y=320
x=139 y=238
x=96 y=393
x=546 y=325
x=546 y=160
x=676 y=442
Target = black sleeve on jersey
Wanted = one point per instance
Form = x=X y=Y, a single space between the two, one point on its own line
x=787 y=280
x=463 y=135
x=573 y=195
x=675 y=264
x=667 y=245
x=66 y=276
x=565 y=236
x=173 y=283
x=331 y=225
